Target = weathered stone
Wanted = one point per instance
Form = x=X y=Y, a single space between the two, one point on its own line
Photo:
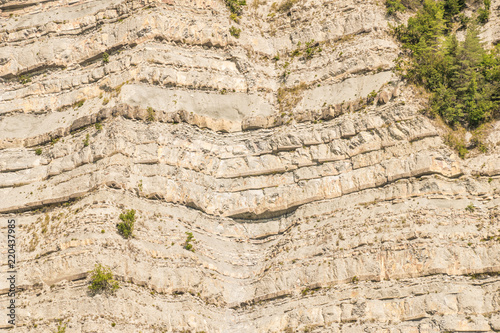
x=364 y=221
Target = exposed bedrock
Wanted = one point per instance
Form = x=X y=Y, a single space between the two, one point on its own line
x=319 y=195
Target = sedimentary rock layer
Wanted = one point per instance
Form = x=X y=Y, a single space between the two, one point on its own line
x=319 y=196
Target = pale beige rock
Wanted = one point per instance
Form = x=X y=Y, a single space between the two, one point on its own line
x=337 y=208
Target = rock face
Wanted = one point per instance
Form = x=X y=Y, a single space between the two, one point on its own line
x=319 y=197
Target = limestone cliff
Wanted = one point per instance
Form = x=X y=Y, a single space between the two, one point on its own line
x=319 y=196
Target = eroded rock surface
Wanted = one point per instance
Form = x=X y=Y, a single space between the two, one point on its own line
x=319 y=196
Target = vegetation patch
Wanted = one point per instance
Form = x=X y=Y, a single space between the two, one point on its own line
x=456 y=140
x=151 y=114
x=102 y=280
x=470 y=208
x=235 y=6
x=79 y=104
x=288 y=98
x=24 y=79
x=126 y=227
x=394 y=6
x=61 y=327
x=311 y=48
x=187 y=244
x=86 y=140
x=235 y=32
x=461 y=77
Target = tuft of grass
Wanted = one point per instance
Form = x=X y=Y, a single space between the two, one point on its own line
x=312 y=48
x=456 y=139
x=235 y=17
x=235 y=32
x=470 y=208
x=105 y=57
x=151 y=114
x=187 y=244
x=79 y=104
x=288 y=98
x=86 y=141
x=24 y=79
x=38 y=151
x=61 y=328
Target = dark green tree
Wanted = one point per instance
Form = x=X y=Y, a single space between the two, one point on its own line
x=452 y=8
x=462 y=77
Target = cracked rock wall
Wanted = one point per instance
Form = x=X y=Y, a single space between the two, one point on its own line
x=319 y=197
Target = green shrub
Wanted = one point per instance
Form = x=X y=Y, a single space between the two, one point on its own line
x=187 y=244
x=394 y=6
x=483 y=15
x=234 y=17
x=235 y=6
x=452 y=8
x=98 y=126
x=126 y=227
x=38 y=151
x=235 y=32
x=105 y=57
x=101 y=280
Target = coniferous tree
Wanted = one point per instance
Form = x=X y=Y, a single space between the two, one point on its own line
x=462 y=77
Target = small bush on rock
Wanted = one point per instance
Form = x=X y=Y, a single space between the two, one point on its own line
x=101 y=280
x=126 y=227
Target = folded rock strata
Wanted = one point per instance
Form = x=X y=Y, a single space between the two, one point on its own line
x=319 y=196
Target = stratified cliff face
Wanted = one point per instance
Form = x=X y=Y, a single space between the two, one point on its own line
x=319 y=197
